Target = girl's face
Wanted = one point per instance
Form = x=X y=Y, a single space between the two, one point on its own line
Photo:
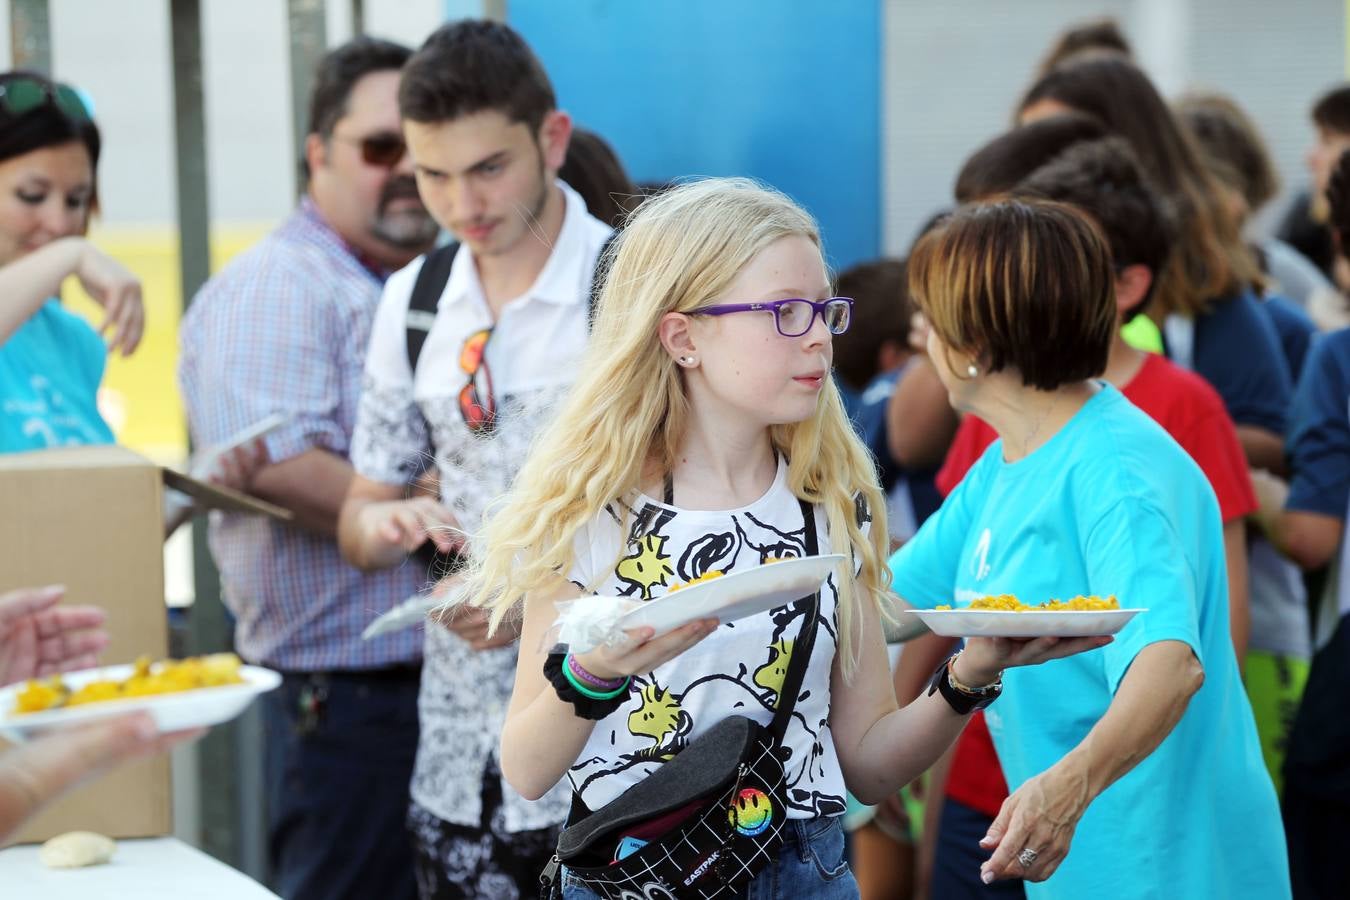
x=743 y=364
x=44 y=195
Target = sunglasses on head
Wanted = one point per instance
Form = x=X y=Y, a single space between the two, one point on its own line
x=383 y=149
x=479 y=411
x=20 y=96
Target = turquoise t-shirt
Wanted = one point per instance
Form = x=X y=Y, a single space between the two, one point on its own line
x=50 y=371
x=1112 y=505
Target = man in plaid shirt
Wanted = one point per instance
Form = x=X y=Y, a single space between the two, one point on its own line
x=284 y=329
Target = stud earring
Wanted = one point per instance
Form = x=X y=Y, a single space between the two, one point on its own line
x=687 y=360
x=972 y=371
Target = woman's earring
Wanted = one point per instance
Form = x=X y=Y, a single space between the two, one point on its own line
x=972 y=371
x=687 y=360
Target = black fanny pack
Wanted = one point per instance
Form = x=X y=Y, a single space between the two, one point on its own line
x=734 y=778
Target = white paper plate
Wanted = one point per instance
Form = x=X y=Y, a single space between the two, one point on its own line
x=1009 y=623
x=410 y=612
x=172 y=712
x=736 y=595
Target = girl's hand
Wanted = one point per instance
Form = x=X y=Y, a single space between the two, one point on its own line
x=644 y=651
x=986 y=657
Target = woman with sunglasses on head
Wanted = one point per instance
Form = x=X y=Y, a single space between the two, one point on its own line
x=51 y=361
x=706 y=435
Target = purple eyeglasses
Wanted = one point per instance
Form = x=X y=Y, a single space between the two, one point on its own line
x=792 y=318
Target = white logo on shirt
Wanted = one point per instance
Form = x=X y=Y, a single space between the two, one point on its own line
x=979 y=566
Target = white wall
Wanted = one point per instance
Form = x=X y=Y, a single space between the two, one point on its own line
x=119 y=53
x=954 y=70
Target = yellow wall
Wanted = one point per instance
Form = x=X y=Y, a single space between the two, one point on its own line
x=140 y=396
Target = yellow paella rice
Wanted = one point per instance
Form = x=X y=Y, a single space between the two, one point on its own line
x=706 y=576
x=1009 y=603
x=146 y=679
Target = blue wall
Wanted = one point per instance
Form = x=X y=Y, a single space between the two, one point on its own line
x=787 y=91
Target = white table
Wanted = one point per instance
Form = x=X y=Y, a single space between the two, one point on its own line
x=149 y=869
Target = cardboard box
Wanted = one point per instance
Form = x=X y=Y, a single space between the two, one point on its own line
x=91 y=518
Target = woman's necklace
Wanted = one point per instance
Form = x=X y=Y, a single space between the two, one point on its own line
x=1036 y=425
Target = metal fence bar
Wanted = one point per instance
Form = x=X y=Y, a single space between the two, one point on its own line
x=30 y=35
x=308 y=40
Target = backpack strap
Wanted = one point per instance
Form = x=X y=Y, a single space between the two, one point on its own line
x=598 y=278
x=426 y=294
x=435 y=274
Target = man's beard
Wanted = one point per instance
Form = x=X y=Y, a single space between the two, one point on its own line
x=406 y=228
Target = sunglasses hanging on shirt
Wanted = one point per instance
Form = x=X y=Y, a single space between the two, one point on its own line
x=479 y=410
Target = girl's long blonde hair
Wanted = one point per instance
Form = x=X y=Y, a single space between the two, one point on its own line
x=628 y=410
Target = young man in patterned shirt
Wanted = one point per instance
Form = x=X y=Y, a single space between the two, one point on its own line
x=501 y=348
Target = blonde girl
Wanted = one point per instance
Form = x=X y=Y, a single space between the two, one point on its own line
x=703 y=424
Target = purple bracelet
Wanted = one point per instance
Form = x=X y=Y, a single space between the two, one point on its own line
x=594 y=681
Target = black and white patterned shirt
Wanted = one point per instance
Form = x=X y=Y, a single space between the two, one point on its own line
x=407 y=420
x=737 y=670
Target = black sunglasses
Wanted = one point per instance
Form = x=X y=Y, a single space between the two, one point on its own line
x=20 y=96
x=384 y=149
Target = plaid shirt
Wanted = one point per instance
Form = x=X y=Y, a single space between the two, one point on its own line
x=283 y=328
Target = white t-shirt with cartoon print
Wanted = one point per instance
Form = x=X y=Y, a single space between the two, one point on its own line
x=737 y=670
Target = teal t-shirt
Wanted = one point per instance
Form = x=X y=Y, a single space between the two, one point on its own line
x=50 y=370
x=1112 y=505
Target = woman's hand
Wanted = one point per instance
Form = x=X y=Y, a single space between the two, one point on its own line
x=1031 y=835
x=644 y=651
x=39 y=638
x=34 y=774
x=984 y=658
x=118 y=291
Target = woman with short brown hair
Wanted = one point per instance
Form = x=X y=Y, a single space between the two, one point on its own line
x=1083 y=494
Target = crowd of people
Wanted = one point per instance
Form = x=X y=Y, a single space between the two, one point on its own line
x=510 y=378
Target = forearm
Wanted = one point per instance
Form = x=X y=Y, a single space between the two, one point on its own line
x=31 y=280
x=1150 y=701
x=1310 y=539
x=20 y=790
x=917 y=663
x=920 y=422
x=1264 y=449
x=311 y=485
x=540 y=742
x=900 y=746
x=1239 y=600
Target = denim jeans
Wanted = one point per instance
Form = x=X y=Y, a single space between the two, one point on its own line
x=339 y=755
x=810 y=866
